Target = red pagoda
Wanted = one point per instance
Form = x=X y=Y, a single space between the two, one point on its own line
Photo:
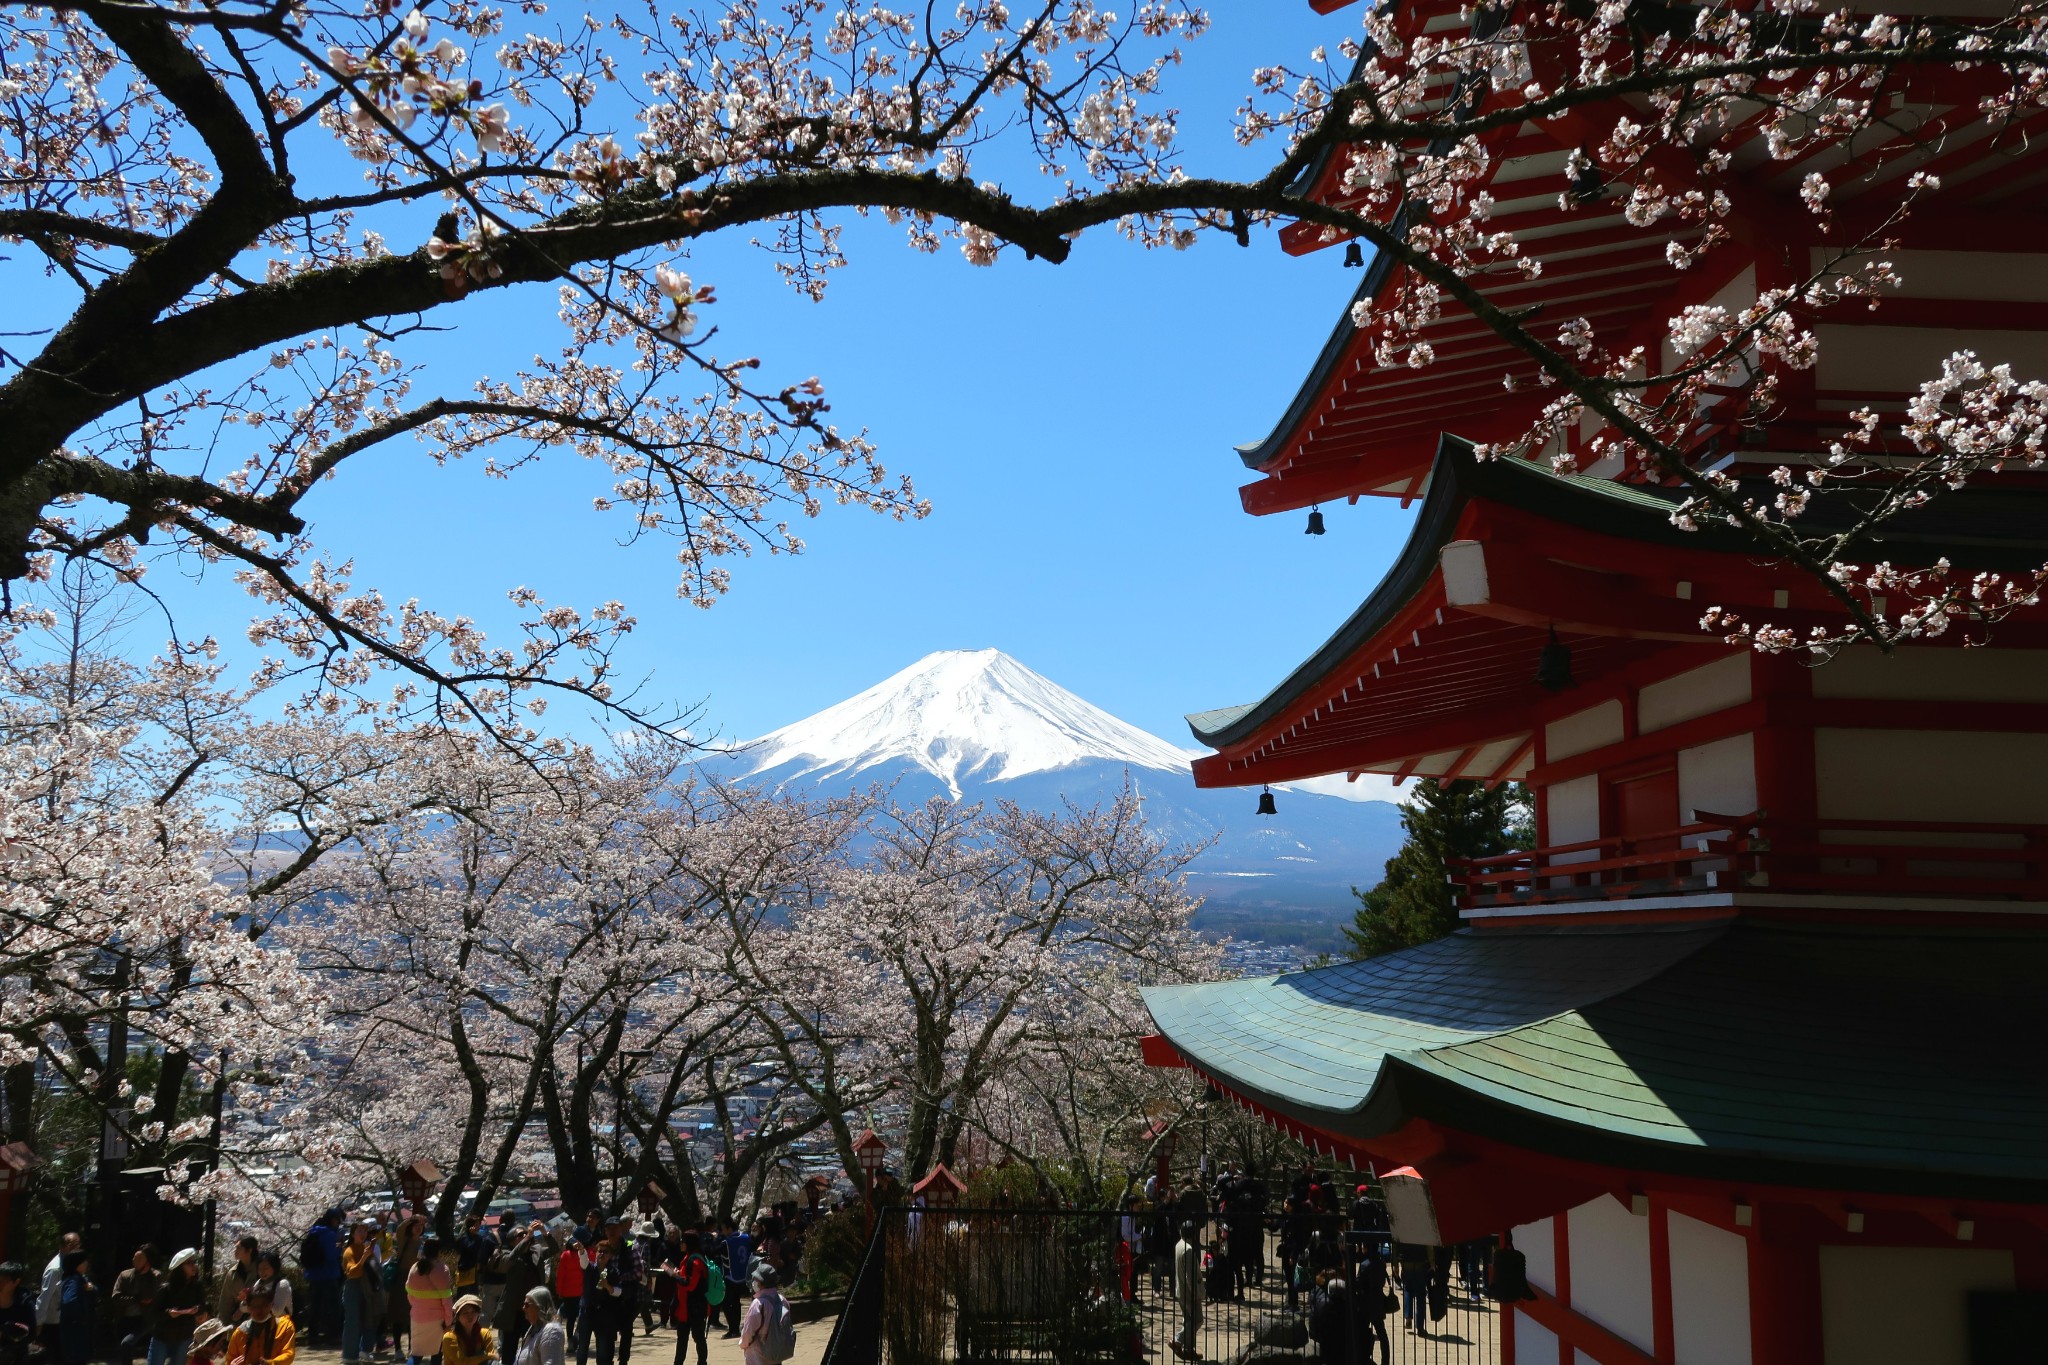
x=1745 y=1055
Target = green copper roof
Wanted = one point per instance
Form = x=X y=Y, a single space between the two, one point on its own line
x=1865 y=1058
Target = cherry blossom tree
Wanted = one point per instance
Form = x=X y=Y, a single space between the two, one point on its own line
x=933 y=965
x=243 y=303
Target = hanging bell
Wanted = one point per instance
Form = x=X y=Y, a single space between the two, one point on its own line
x=1266 y=806
x=1354 y=256
x=1554 y=666
x=1315 y=522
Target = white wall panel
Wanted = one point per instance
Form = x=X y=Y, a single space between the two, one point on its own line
x=1535 y=1344
x=1700 y=692
x=1538 y=1244
x=1925 y=673
x=1610 y=1249
x=1931 y=775
x=1582 y=732
x=1718 y=777
x=1574 y=815
x=1709 y=1293
x=1902 y=1305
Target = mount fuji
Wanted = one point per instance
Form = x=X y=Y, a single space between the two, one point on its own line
x=977 y=725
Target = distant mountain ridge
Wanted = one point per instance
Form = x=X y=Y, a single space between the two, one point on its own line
x=979 y=725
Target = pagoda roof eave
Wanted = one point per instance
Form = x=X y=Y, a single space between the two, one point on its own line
x=2004 y=530
x=1736 y=1051
x=1334 y=354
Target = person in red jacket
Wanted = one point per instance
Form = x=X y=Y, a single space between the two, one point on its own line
x=569 y=1283
x=692 y=1280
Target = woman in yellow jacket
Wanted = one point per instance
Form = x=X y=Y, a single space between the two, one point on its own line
x=469 y=1342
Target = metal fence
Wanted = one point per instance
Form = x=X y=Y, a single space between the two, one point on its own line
x=964 y=1287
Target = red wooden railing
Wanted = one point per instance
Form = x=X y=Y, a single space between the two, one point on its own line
x=1754 y=852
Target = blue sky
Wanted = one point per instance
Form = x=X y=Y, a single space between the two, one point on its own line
x=1072 y=426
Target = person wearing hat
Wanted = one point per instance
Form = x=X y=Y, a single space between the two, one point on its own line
x=209 y=1340
x=767 y=1317
x=468 y=1341
x=266 y=1336
x=176 y=1309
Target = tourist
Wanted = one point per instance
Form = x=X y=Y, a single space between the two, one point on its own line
x=209 y=1341
x=767 y=1333
x=1371 y=1301
x=629 y=1271
x=467 y=1341
x=1293 y=1242
x=320 y=1263
x=524 y=1265
x=1330 y=1318
x=235 y=1282
x=266 y=1336
x=50 y=1298
x=407 y=1236
x=77 y=1306
x=1187 y=1291
x=691 y=1308
x=270 y=1274
x=1413 y=1263
x=652 y=1246
x=133 y=1293
x=569 y=1267
x=361 y=1279
x=472 y=1248
x=174 y=1316
x=544 y=1341
x=739 y=1268
x=429 y=1295
x=608 y=1301
x=17 y=1313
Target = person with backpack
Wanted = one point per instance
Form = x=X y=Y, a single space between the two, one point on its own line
x=739 y=1267
x=690 y=1276
x=320 y=1263
x=768 y=1331
x=1329 y=1319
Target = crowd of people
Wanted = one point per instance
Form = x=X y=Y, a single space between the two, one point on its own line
x=1339 y=1266
x=384 y=1288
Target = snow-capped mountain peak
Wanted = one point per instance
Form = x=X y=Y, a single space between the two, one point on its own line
x=959 y=714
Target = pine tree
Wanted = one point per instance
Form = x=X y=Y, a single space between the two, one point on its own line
x=1412 y=904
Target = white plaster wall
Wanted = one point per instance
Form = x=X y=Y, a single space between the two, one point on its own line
x=1700 y=692
x=1574 y=816
x=1709 y=1293
x=1925 y=273
x=1903 y=1305
x=1931 y=775
x=1864 y=356
x=1538 y=1244
x=1582 y=731
x=1535 y=1344
x=1718 y=777
x=1924 y=673
x=1610 y=1250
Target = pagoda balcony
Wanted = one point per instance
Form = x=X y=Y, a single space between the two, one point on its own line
x=1720 y=855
